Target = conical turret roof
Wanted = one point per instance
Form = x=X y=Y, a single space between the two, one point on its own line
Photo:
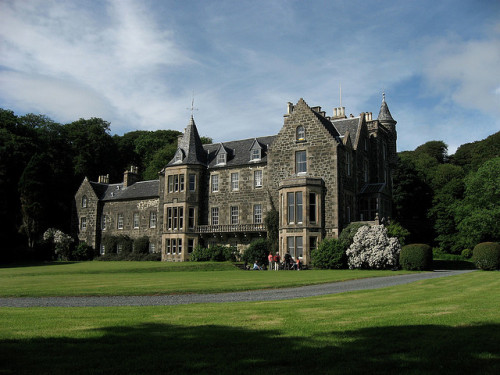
x=191 y=147
x=385 y=115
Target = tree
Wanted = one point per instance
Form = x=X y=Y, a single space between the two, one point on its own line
x=478 y=214
x=330 y=254
x=272 y=225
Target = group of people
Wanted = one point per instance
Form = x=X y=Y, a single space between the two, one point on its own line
x=276 y=264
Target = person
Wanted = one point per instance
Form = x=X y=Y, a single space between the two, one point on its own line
x=256 y=266
x=276 y=261
x=298 y=264
x=270 y=259
x=287 y=261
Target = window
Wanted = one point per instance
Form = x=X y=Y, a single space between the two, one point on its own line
x=255 y=154
x=103 y=222
x=167 y=246
x=300 y=133
x=170 y=184
x=84 y=201
x=175 y=218
x=190 y=245
x=295 y=215
x=120 y=221
x=136 y=220
x=181 y=182
x=119 y=248
x=313 y=243
x=215 y=215
x=215 y=182
x=181 y=217
x=366 y=171
x=221 y=158
x=257 y=177
x=235 y=181
x=234 y=215
x=83 y=223
x=192 y=182
x=174 y=246
x=152 y=247
x=169 y=218
x=191 y=218
x=291 y=207
x=179 y=246
x=295 y=246
x=300 y=162
x=152 y=219
x=176 y=182
x=312 y=207
x=257 y=214
x=102 y=249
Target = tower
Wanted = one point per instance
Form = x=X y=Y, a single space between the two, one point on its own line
x=385 y=119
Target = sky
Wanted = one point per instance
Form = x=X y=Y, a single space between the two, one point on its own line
x=139 y=64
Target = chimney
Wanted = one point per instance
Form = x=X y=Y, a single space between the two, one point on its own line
x=103 y=179
x=338 y=113
x=289 y=108
x=130 y=177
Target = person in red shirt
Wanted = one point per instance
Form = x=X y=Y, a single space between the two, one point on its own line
x=270 y=259
x=276 y=261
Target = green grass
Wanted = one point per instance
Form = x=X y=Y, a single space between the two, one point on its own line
x=441 y=326
x=148 y=278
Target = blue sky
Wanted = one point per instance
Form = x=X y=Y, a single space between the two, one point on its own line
x=137 y=63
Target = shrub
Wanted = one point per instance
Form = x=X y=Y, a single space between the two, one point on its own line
x=62 y=243
x=141 y=245
x=348 y=233
x=109 y=243
x=216 y=253
x=466 y=253
x=125 y=242
x=394 y=229
x=130 y=257
x=486 y=256
x=257 y=251
x=330 y=254
x=372 y=248
x=83 y=252
x=416 y=257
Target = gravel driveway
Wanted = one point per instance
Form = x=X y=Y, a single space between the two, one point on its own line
x=255 y=295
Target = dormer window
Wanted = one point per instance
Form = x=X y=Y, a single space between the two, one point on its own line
x=178 y=156
x=255 y=154
x=300 y=133
x=222 y=158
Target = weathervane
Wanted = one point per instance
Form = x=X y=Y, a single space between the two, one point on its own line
x=192 y=106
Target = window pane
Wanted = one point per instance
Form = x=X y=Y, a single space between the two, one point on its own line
x=215 y=216
x=235 y=183
x=291 y=207
x=298 y=245
x=312 y=207
x=234 y=215
x=191 y=218
x=298 y=203
x=136 y=220
x=257 y=214
x=192 y=182
x=300 y=162
x=290 y=246
x=258 y=178
x=181 y=182
x=215 y=182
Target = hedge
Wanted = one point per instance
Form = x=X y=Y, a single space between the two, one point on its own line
x=486 y=256
x=416 y=257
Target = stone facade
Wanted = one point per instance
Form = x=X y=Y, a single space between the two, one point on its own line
x=320 y=172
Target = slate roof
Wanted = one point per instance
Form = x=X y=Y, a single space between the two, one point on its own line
x=385 y=115
x=238 y=151
x=116 y=192
x=191 y=145
x=347 y=125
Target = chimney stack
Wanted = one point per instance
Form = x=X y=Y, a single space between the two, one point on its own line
x=103 y=179
x=131 y=176
x=338 y=113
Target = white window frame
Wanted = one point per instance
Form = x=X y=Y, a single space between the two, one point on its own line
x=215 y=183
x=192 y=182
x=119 y=222
x=235 y=181
x=258 y=178
x=300 y=133
x=214 y=215
x=85 y=201
x=235 y=215
x=83 y=223
x=300 y=165
x=257 y=214
x=153 y=219
x=136 y=220
x=255 y=154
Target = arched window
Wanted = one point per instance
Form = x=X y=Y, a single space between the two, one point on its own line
x=300 y=133
x=84 y=201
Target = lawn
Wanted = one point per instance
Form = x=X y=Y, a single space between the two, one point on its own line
x=449 y=325
x=147 y=278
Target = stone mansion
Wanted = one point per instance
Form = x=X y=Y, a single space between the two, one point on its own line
x=319 y=172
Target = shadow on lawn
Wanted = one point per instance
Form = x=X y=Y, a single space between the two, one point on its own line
x=161 y=349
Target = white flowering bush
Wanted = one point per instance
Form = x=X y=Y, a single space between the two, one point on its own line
x=62 y=242
x=373 y=248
